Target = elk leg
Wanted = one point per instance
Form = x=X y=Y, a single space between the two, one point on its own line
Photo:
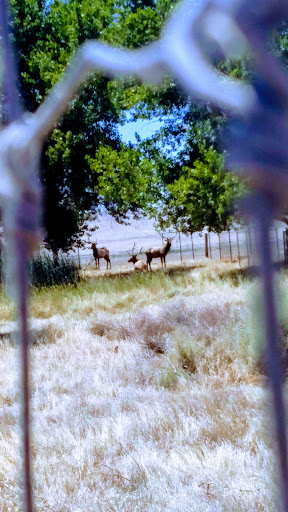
x=148 y=261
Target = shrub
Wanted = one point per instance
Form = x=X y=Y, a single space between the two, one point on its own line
x=46 y=271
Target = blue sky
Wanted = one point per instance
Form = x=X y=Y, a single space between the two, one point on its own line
x=143 y=127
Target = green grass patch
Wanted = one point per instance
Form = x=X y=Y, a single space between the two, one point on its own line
x=117 y=292
x=46 y=271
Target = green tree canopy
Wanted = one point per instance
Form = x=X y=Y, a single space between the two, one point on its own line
x=126 y=179
x=190 y=138
x=177 y=175
x=46 y=37
x=202 y=196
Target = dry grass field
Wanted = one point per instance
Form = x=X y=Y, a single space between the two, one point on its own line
x=149 y=394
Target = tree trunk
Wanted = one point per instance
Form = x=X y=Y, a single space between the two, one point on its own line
x=55 y=252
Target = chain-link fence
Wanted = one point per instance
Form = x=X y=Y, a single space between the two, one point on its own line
x=256 y=142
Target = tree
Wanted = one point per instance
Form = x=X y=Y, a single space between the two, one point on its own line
x=126 y=179
x=46 y=36
x=202 y=196
x=190 y=137
x=194 y=190
x=85 y=167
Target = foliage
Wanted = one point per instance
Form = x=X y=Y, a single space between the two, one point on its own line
x=47 y=271
x=46 y=37
x=85 y=167
x=125 y=178
x=202 y=195
x=190 y=136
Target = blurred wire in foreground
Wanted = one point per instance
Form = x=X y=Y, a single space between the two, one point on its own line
x=256 y=141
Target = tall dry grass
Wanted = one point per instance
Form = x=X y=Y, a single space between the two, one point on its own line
x=149 y=394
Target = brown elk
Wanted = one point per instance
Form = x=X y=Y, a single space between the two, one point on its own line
x=139 y=265
x=101 y=252
x=158 y=252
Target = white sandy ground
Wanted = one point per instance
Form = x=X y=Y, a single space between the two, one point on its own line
x=126 y=417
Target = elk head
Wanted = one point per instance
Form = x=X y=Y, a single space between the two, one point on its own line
x=133 y=253
x=133 y=259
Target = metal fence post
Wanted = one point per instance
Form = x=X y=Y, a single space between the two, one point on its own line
x=192 y=246
x=180 y=247
x=79 y=262
x=22 y=248
x=264 y=218
x=238 y=249
x=210 y=250
x=206 y=246
x=247 y=248
x=219 y=243
x=231 y=256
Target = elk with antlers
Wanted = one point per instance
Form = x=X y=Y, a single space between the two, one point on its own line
x=158 y=252
x=100 y=252
x=139 y=265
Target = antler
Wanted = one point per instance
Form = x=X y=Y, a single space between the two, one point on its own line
x=133 y=251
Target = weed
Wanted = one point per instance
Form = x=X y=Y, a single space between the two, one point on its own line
x=163 y=364
x=46 y=271
x=167 y=379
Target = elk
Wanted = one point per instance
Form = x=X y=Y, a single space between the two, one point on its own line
x=158 y=252
x=139 y=265
x=101 y=252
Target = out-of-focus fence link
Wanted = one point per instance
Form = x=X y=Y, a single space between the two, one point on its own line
x=257 y=143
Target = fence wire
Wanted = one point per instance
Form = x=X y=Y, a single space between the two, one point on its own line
x=257 y=144
x=237 y=246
